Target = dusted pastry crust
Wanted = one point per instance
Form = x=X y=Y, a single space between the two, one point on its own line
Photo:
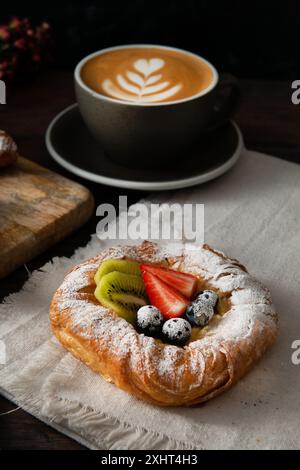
x=8 y=150
x=216 y=357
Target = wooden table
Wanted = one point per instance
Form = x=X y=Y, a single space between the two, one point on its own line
x=269 y=122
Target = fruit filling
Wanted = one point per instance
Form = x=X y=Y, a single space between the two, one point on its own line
x=184 y=283
x=169 y=301
x=160 y=302
x=123 y=293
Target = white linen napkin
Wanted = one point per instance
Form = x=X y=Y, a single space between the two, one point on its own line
x=252 y=213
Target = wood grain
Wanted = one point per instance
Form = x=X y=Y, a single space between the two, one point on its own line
x=37 y=208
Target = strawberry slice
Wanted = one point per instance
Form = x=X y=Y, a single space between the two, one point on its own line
x=185 y=283
x=169 y=301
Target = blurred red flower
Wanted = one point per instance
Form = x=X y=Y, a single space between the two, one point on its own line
x=24 y=48
x=4 y=33
x=20 y=43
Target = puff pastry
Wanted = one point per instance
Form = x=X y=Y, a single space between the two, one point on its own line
x=8 y=149
x=216 y=356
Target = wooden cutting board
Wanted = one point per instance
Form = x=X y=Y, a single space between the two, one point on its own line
x=37 y=208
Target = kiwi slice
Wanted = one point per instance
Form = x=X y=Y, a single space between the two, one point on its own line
x=121 y=265
x=123 y=293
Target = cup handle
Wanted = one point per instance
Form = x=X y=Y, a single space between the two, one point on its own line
x=228 y=95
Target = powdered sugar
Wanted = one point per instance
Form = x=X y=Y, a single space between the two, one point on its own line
x=7 y=144
x=77 y=279
x=168 y=364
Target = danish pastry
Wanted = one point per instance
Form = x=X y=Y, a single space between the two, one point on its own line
x=222 y=339
x=8 y=149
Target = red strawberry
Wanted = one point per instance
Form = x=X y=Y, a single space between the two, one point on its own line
x=185 y=283
x=169 y=301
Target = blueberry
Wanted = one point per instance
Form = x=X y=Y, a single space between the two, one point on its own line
x=208 y=296
x=190 y=315
x=199 y=312
x=177 y=331
x=149 y=320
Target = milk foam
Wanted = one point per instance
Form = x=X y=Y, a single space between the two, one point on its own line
x=142 y=84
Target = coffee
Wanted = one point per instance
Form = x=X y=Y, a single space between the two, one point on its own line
x=147 y=74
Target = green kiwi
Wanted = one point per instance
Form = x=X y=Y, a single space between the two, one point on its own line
x=121 y=265
x=123 y=293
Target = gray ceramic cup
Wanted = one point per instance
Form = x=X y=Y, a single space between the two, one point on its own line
x=147 y=135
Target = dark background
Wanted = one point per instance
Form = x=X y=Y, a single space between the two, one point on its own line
x=248 y=38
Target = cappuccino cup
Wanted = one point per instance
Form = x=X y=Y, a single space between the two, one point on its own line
x=149 y=105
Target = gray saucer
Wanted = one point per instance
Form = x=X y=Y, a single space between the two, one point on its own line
x=72 y=146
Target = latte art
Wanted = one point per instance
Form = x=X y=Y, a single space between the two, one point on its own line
x=147 y=74
x=143 y=84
